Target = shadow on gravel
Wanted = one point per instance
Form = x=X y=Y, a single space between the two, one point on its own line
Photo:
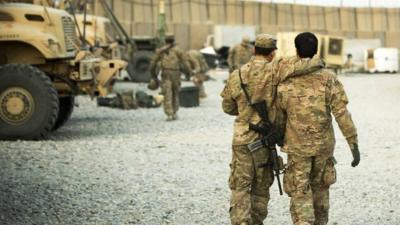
x=92 y=119
x=83 y=128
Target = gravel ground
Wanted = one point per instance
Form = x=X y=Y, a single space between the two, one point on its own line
x=109 y=166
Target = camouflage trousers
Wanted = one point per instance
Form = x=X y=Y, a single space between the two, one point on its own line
x=170 y=87
x=307 y=181
x=249 y=183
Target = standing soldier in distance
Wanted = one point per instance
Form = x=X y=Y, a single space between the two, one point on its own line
x=240 y=54
x=308 y=101
x=248 y=181
x=193 y=63
x=201 y=69
x=170 y=60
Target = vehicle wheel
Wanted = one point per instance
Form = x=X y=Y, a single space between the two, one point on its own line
x=66 y=107
x=139 y=66
x=28 y=103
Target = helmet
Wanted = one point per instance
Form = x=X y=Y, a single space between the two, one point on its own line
x=169 y=37
x=153 y=84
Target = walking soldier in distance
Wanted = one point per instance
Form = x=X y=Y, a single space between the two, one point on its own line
x=170 y=60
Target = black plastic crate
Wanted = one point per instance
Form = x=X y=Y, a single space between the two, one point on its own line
x=189 y=96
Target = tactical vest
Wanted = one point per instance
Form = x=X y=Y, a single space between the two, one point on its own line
x=170 y=60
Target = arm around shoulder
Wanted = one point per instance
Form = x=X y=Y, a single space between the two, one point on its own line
x=153 y=64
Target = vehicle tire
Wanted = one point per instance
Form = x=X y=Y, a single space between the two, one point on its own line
x=66 y=107
x=139 y=66
x=28 y=103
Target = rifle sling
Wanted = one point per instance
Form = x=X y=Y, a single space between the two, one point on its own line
x=243 y=86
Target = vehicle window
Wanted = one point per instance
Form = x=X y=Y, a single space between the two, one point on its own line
x=33 y=17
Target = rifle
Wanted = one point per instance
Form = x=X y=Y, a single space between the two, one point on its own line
x=266 y=129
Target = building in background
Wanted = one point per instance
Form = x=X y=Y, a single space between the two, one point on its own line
x=192 y=20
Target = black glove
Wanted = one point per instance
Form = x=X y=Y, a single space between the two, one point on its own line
x=356 y=155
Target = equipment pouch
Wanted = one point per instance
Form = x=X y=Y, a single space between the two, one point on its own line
x=288 y=180
x=232 y=182
x=281 y=165
x=329 y=174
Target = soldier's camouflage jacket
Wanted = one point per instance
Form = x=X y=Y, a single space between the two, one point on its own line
x=307 y=100
x=169 y=58
x=262 y=79
x=196 y=55
x=193 y=63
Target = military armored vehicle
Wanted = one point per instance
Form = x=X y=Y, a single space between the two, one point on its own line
x=139 y=64
x=100 y=36
x=98 y=30
x=42 y=69
x=102 y=33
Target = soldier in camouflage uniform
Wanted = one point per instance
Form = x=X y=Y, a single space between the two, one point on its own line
x=193 y=63
x=199 y=69
x=307 y=100
x=170 y=60
x=240 y=54
x=248 y=182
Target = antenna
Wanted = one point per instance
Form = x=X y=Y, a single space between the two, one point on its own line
x=45 y=4
x=84 y=24
x=94 y=19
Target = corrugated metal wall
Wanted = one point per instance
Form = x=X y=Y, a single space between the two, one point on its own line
x=339 y=3
x=193 y=20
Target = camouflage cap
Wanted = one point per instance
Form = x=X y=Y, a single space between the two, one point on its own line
x=265 y=41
